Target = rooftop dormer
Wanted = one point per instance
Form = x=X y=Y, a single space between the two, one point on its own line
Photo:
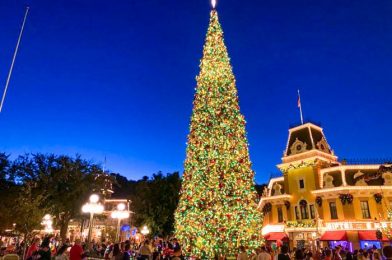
x=307 y=141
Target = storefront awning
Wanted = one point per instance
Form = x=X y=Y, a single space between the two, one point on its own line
x=369 y=235
x=334 y=236
x=275 y=236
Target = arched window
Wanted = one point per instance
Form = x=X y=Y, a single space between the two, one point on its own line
x=303 y=206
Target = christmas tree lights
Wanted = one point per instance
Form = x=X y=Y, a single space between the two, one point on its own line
x=217 y=211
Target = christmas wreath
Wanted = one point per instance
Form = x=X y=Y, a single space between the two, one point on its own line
x=303 y=203
x=267 y=208
x=287 y=204
x=378 y=197
x=378 y=234
x=346 y=198
x=319 y=201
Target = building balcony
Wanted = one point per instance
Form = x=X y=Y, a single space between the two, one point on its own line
x=354 y=190
x=356 y=175
x=277 y=199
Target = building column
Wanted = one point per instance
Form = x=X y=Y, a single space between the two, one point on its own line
x=343 y=174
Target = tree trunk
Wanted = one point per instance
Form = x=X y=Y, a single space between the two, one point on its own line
x=64 y=228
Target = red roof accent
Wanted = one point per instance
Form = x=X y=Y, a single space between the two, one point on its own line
x=274 y=236
x=370 y=235
x=334 y=236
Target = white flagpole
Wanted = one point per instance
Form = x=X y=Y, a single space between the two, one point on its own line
x=300 y=108
x=13 y=59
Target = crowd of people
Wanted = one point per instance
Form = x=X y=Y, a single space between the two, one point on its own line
x=156 y=249
x=337 y=253
x=49 y=248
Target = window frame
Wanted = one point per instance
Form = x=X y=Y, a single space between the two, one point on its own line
x=304 y=212
x=296 y=213
x=280 y=214
x=299 y=184
x=333 y=213
x=365 y=210
x=312 y=211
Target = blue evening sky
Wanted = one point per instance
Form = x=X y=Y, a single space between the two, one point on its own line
x=116 y=78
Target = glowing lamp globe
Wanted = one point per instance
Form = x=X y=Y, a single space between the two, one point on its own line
x=145 y=230
x=121 y=206
x=94 y=198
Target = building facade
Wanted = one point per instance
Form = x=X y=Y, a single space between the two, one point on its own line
x=319 y=201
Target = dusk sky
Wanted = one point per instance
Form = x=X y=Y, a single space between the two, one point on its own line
x=117 y=78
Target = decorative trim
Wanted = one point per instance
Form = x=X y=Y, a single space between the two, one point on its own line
x=298 y=147
x=322 y=145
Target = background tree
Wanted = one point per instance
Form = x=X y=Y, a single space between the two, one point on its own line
x=61 y=184
x=8 y=193
x=154 y=200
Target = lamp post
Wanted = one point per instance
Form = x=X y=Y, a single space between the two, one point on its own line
x=47 y=222
x=145 y=231
x=119 y=214
x=92 y=207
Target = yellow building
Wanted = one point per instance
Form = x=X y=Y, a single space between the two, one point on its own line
x=319 y=201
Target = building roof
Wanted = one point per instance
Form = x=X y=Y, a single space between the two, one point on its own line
x=304 y=138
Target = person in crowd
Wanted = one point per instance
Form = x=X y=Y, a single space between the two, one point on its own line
x=337 y=255
x=349 y=255
x=299 y=254
x=309 y=255
x=355 y=254
x=76 y=251
x=109 y=252
x=292 y=254
x=33 y=248
x=254 y=254
x=328 y=254
x=387 y=252
x=44 y=252
x=376 y=255
x=242 y=254
x=177 y=255
x=116 y=253
x=127 y=254
x=284 y=253
x=264 y=255
x=62 y=253
x=366 y=255
x=145 y=251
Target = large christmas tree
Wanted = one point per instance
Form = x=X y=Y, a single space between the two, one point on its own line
x=217 y=211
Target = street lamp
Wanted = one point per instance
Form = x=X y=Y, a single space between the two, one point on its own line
x=145 y=231
x=119 y=214
x=92 y=207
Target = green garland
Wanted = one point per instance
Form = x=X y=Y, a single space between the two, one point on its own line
x=301 y=224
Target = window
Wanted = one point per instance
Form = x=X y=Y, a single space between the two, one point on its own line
x=301 y=184
x=304 y=212
x=296 y=213
x=332 y=209
x=280 y=215
x=365 y=209
x=312 y=212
